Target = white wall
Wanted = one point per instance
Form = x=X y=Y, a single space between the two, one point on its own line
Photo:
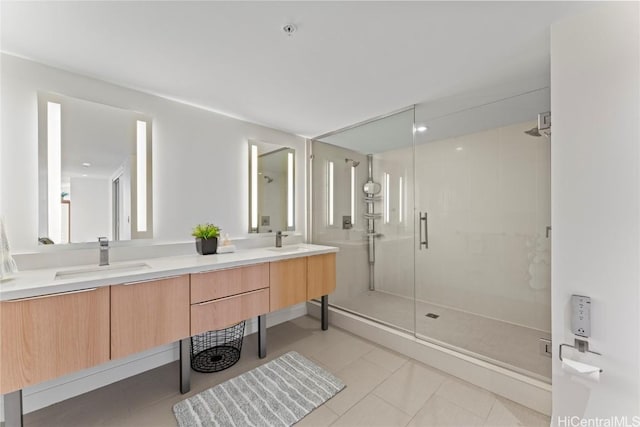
x=595 y=153
x=195 y=153
x=90 y=209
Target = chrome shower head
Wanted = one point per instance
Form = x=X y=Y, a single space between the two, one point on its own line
x=353 y=162
x=268 y=178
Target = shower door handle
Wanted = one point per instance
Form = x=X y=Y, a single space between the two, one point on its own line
x=424 y=242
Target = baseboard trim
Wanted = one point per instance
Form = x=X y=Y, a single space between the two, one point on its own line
x=524 y=390
x=63 y=388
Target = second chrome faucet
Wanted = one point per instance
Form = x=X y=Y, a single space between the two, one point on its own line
x=279 y=237
x=103 y=242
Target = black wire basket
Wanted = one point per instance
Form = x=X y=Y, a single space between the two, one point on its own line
x=214 y=351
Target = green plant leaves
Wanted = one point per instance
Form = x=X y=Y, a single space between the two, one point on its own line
x=206 y=231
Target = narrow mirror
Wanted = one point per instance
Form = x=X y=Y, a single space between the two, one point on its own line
x=271 y=187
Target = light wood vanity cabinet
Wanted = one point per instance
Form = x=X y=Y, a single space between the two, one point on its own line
x=321 y=275
x=288 y=283
x=222 y=298
x=148 y=314
x=47 y=336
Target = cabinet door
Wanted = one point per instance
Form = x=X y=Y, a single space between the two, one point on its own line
x=148 y=314
x=287 y=283
x=48 y=336
x=223 y=283
x=321 y=275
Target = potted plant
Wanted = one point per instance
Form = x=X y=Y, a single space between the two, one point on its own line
x=206 y=238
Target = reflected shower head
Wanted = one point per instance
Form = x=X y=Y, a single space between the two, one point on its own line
x=353 y=162
x=268 y=178
x=533 y=132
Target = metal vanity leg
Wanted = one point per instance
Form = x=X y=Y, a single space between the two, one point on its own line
x=262 y=336
x=185 y=365
x=13 y=409
x=324 y=316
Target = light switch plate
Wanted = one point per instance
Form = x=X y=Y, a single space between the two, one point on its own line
x=581 y=315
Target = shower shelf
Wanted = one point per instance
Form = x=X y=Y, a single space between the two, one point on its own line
x=374 y=216
x=372 y=199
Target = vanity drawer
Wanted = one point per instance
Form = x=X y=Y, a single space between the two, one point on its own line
x=223 y=283
x=224 y=312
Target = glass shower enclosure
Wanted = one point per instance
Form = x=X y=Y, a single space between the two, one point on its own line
x=442 y=217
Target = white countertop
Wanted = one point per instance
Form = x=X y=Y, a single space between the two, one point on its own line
x=31 y=283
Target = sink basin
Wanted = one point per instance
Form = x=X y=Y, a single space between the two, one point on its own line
x=289 y=249
x=99 y=270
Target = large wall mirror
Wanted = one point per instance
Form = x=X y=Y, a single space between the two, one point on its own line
x=94 y=164
x=271 y=187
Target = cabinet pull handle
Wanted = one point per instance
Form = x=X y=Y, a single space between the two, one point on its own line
x=424 y=242
x=58 y=294
x=230 y=296
x=149 y=280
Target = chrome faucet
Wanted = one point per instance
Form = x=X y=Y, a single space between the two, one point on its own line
x=104 y=250
x=279 y=237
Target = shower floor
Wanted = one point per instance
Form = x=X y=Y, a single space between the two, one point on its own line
x=508 y=344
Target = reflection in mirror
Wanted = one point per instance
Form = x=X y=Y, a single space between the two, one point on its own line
x=271 y=187
x=94 y=171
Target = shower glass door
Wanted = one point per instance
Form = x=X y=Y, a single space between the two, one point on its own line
x=482 y=257
x=362 y=202
x=442 y=216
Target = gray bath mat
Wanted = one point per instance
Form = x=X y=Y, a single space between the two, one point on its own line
x=278 y=393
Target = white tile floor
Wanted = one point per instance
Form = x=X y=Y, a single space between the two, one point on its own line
x=515 y=346
x=383 y=389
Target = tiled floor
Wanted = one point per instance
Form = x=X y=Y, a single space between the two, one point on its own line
x=513 y=345
x=383 y=389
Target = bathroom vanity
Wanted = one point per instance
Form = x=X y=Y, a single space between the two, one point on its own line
x=55 y=322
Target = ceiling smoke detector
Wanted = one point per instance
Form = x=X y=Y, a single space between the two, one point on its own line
x=289 y=29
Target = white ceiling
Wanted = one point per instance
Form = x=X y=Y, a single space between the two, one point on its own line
x=347 y=62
